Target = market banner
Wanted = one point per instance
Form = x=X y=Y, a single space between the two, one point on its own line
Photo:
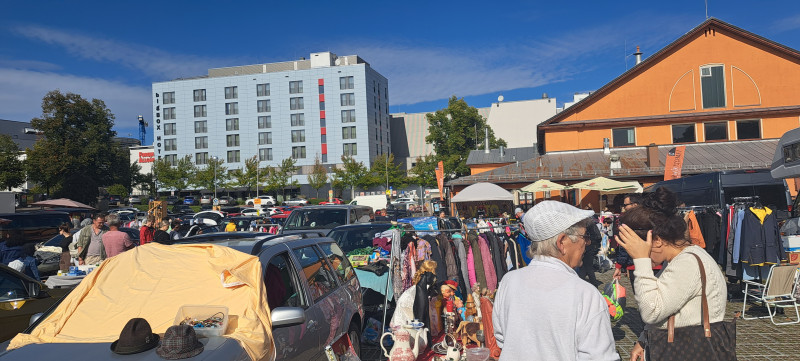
x=440 y=179
x=674 y=163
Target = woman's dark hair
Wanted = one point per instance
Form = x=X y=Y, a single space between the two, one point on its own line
x=658 y=212
x=65 y=227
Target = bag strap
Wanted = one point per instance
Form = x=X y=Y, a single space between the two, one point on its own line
x=704 y=302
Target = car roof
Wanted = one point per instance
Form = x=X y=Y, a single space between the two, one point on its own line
x=354 y=226
x=332 y=206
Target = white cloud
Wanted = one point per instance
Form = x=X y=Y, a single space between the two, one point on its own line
x=786 y=24
x=21 y=93
x=150 y=61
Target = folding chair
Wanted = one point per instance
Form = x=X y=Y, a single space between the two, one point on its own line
x=778 y=291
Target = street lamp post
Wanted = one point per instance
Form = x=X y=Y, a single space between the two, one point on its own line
x=215 y=176
x=258 y=161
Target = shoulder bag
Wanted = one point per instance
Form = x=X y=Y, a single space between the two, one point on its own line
x=709 y=341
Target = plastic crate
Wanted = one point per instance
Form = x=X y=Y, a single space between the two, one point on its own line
x=202 y=312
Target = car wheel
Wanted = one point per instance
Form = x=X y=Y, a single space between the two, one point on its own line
x=355 y=338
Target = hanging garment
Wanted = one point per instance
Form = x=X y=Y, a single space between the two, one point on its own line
x=497 y=248
x=488 y=264
x=737 y=236
x=397 y=265
x=437 y=256
x=463 y=283
x=423 y=250
x=449 y=256
x=693 y=230
x=471 y=267
x=524 y=244
x=761 y=241
x=710 y=223
x=477 y=255
x=461 y=251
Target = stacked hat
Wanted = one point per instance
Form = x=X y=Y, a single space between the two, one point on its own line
x=549 y=218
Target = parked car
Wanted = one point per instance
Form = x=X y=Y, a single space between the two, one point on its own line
x=171 y=200
x=324 y=218
x=48 y=262
x=182 y=209
x=404 y=200
x=190 y=200
x=114 y=199
x=296 y=202
x=335 y=201
x=225 y=200
x=318 y=298
x=265 y=201
x=34 y=227
x=24 y=297
x=205 y=199
x=134 y=199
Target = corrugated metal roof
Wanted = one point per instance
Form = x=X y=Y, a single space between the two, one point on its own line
x=493 y=157
x=586 y=164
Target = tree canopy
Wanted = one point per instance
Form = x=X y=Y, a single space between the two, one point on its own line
x=280 y=177
x=12 y=173
x=177 y=177
x=384 y=167
x=319 y=176
x=455 y=131
x=204 y=177
x=351 y=174
x=424 y=172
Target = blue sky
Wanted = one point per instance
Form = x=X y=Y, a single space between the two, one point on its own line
x=429 y=50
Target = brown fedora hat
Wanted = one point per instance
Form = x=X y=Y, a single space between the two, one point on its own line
x=136 y=336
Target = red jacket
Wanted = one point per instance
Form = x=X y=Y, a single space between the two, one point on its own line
x=145 y=235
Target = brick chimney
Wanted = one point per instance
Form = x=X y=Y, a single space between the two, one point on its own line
x=652 y=156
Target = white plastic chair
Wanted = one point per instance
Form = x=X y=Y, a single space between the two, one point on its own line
x=778 y=291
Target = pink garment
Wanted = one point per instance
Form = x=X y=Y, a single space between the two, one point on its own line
x=423 y=250
x=116 y=242
x=488 y=265
x=409 y=268
x=471 y=267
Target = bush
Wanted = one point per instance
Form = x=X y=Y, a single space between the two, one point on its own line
x=119 y=190
x=316 y=201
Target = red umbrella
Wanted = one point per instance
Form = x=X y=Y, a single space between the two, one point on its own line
x=61 y=202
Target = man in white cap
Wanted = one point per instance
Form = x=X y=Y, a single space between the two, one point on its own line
x=545 y=311
x=519 y=213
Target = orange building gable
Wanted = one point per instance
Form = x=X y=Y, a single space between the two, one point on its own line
x=716 y=83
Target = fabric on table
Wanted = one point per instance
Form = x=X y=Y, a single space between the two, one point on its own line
x=374 y=282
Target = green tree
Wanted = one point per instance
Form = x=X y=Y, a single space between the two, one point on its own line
x=204 y=177
x=319 y=176
x=424 y=172
x=455 y=131
x=12 y=171
x=177 y=177
x=246 y=176
x=385 y=169
x=76 y=149
x=118 y=189
x=280 y=177
x=351 y=174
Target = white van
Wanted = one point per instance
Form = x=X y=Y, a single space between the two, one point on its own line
x=376 y=202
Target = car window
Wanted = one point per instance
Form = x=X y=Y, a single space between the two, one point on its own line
x=281 y=280
x=316 y=218
x=11 y=288
x=320 y=281
x=350 y=240
x=353 y=216
x=341 y=265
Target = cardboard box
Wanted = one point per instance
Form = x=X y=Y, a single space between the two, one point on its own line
x=793 y=257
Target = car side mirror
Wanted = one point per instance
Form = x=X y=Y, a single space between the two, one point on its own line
x=287 y=316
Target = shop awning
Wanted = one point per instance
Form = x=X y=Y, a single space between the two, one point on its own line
x=608 y=186
x=483 y=192
x=542 y=185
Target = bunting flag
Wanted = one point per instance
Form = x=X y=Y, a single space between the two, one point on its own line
x=674 y=163
x=440 y=179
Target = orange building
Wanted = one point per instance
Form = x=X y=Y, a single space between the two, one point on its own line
x=726 y=93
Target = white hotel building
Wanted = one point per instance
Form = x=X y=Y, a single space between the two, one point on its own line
x=325 y=106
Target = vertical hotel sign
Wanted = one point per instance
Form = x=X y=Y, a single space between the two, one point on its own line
x=674 y=164
x=440 y=179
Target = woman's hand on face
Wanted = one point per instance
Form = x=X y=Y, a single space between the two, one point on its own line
x=635 y=245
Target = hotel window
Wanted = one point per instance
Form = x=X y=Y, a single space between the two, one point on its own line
x=262 y=90
x=346 y=82
x=201 y=158
x=200 y=111
x=295 y=103
x=169 y=129
x=170 y=144
x=264 y=122
x=231 y=108
x=171 y=159
x=231 y=92
x=264 y=138
x=348 y=99
x=295 y=87
x=232 y=124
x=233 y=156
x=350 y=149
x=298 y=136
x=348 y=116
x=349 y=133
x=169 y=113
x=264 y=106
x=200 y=142
x=748 y=129
x=233 y=140
x=298 y=120
x=298 y=152
x=712 y=82
x=683 y=133
x=199 y=95
x=623 y=137
x=716 y=131
x=201 y=126
x=265 y=154
x=169 y=98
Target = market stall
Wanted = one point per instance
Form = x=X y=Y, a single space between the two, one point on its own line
x=605 y=185
x=483 y=199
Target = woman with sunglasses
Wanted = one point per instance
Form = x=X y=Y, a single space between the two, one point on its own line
x=654 y=233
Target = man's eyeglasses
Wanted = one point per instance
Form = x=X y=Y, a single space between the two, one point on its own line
x=584 y=236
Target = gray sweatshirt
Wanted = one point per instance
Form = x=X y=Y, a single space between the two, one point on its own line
x=545 y=312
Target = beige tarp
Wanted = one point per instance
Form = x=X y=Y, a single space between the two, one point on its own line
x=152 y=282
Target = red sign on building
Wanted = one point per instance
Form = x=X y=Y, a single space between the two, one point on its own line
x=147 y=157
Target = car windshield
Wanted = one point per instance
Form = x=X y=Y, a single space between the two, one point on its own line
x=316 y=219
x=55 y=241
x=355 y=238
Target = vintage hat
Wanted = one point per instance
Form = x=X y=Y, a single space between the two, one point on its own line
x=180 y=342
x=136 y=336
x=549 y=218
x=518 y=210
x=450 y=283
